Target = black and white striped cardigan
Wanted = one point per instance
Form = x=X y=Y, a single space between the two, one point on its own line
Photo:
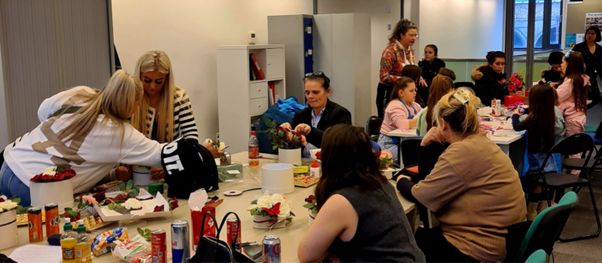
x=184 y=124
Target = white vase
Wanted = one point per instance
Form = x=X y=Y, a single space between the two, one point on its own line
x=8 y=228
x=60 y=193
x=265 y=222
x=290 y=156
x=312 y=217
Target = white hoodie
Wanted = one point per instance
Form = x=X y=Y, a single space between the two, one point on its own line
x=100 y=151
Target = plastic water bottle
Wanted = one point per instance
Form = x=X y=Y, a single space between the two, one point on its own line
x=68 y=241
x=253 y=150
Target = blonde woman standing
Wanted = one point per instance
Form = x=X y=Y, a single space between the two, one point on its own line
x=165 y=113
x=85 y=129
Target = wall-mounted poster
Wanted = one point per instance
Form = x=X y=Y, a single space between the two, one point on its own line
x=593 y=19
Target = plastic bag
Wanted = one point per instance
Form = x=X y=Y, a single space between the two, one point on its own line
x=104 y=242
x=129 y=250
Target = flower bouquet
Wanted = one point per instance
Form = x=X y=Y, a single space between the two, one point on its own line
x=286 y=140
x=218 y=146
x=8 y=223
x=311 y=204
x=53 y=185
x=271 y=211
x=514 y=84
x=386 y=160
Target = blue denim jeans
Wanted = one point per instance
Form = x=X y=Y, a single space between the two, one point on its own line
x=387 y=143
x=11 y=186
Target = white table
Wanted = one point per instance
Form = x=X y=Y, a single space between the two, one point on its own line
x=504 y=142
x=290 y=235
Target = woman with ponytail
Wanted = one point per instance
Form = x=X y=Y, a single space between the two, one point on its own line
x=471 y=177
x=84 y=129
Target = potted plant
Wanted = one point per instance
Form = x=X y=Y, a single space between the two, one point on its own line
x=53 y=185
x=8 y=222
x=311 y=204
x=514 y=84
x=271 y=211
x=286 y=140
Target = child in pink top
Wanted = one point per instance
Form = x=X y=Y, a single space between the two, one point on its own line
x=399 y=114
x=572 y=93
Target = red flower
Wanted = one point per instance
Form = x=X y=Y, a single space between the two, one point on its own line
x=2 y=200
x=47 y=178
x=159 y=208
x=281 y=132
x=275 y=210
x=502 y=81
x=173 y=203
x=36 y=178
x=310 y=198
x=59 y=177
x=100 y=196
x=319 y=155
x=513 y=79
x=511 y=88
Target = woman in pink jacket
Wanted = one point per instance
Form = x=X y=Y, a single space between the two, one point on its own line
x=400 y=113
x=572 y=93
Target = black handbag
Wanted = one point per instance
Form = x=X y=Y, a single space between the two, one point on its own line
x=212 y=249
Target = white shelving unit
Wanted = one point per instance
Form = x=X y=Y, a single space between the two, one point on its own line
x=240 y=100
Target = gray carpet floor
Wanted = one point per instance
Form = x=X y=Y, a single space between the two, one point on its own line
x=582 y=222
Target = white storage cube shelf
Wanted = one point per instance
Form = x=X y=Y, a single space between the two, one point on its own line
x=240 y=99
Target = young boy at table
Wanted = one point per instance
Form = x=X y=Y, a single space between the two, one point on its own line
x=360 y=217
x=543 y=128
x=554 y=75
x=400 y=114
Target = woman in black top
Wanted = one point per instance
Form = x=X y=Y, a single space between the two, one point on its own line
x=487 y=78
x=592 y=55
x=321 y=113
x=430 y=66
x=360 y=218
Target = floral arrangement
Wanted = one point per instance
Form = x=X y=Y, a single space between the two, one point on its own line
x=218 y=146
x=386 y=159
x=8 y=204
x=72 y=214
x=87 y=201
x=311 y=203
x=276 y=206
x=172 y=202
x=514 y=84
x=283 y=136
x=54 y=174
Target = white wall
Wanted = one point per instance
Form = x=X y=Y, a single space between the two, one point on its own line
x=3 y=112
x=189 y=32
x=379 y=20
x=461 y=29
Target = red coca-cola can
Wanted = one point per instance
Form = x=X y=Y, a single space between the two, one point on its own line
x=159 y=245
x=233 y=230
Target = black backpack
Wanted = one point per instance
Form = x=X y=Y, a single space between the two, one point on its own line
x=188 y=167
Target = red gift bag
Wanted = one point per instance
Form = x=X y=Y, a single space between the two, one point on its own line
x=513 y=99
x=197 y=220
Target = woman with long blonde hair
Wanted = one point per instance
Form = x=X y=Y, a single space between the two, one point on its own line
x=165 y=113
x=84 y=129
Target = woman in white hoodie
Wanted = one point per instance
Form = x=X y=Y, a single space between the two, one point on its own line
x=84 y=129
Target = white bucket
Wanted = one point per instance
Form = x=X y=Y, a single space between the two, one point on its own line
x=8 y=228
x=290 y=156
x=53 y=192
x=265 y=222
x=141 y=175
x=277 y=178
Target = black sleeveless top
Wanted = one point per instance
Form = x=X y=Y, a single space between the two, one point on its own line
x=383 y=232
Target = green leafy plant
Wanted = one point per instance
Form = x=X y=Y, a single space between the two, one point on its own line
x=129 y=188
x=283 y=136
x=145 y=233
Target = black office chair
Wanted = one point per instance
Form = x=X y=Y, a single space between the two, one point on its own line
x=373 y=127
x=574 y=144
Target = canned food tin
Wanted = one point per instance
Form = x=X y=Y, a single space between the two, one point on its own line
x=52 y=219
x=234 y=233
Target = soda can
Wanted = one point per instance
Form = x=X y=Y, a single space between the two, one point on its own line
x=34 y=218
x=271 y=249
x=52 y=219
x=159 y=245
x=234 y=232
x=180 y=241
